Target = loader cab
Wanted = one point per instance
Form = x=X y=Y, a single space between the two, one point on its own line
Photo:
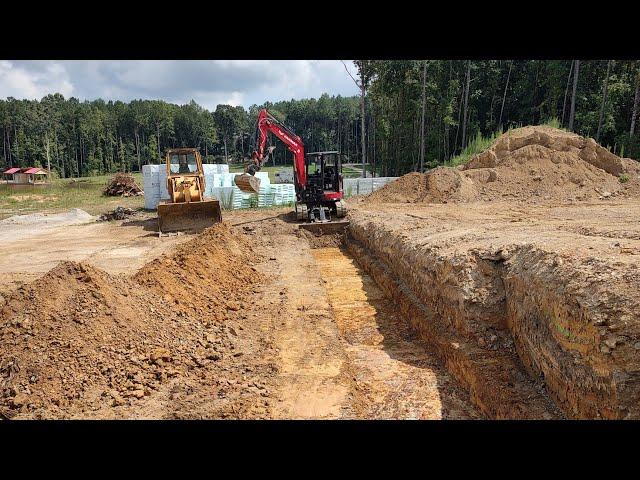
x=324 y=172
x=183 y=162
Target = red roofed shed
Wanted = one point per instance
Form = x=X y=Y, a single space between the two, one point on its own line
x=26 y=176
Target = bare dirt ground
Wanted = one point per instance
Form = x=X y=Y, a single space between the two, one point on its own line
x=314 y=336
x=550 y=290
x=508 y=288
x=288 y=347
x=519 y=269
x=394 y=376
x=30 y=249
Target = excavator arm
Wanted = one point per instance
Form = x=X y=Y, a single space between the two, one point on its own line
x=268 y=123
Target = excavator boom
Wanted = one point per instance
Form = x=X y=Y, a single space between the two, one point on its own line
x=268 y=123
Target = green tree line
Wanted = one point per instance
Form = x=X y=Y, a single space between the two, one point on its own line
x=417 y=114
x=447 y=104
x=94 y=137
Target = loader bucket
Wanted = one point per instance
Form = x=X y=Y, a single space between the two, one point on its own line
x=325 y=228
x=191 y=216
x=247 y=183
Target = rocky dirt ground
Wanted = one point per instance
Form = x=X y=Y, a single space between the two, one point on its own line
x=248 y=320
x=520 y=270
x=457 y=294
x=553 y=285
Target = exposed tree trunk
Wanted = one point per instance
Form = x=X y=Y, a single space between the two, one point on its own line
x=636 y=101
x=455 y=143
x=504 y=95
x=138 y=148
x=566 y=92
x=572 y=113
x=362 y=132
x=424 y=101
x=375 y=150
x=604 y=101
x=47 y=153
x=535 y=119
x=158 y=133
x=466 y=106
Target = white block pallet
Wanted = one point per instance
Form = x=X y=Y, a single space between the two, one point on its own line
x=219 y=184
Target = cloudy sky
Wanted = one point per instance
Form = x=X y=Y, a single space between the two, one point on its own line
x=208 y=82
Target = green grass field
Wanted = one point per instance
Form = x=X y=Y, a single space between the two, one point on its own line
x=86 y=193
x=64 y=194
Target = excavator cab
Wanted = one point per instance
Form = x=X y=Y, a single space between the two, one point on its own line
x=321 y=201
x=324 y=172
x=187 y=208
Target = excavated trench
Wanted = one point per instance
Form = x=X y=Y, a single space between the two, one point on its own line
x=511 y=326
x=394 y=377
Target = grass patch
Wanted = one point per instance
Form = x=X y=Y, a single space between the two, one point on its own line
x=624 y=177
x=476 y=145
x=553 y=122
x=65 y=194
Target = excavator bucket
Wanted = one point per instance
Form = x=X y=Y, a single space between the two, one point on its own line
x=189 y=216
x=247 y=183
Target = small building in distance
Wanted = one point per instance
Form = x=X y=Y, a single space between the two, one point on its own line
x=27 y=176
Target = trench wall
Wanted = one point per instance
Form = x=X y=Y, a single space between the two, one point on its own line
x=520 y=328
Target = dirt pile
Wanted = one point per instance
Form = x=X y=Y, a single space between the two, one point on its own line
x=123 y=185
x=119 y=213
x=199 y=274
x=530 y=163
x=80 y=340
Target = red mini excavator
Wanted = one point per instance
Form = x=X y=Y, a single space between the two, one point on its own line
x=317 y=176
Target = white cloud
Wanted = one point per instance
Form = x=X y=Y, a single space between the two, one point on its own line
x=19 y=82
x=208 y=82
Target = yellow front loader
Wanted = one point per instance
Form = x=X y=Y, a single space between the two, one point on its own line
x=187 y=208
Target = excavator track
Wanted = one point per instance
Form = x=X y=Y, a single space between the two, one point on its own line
x=302 y=213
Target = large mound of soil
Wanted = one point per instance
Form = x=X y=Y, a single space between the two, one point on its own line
x=79 y=340
x=199 y=276
x=530 y=163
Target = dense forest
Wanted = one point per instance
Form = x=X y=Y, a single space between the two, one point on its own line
x=417 y=114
